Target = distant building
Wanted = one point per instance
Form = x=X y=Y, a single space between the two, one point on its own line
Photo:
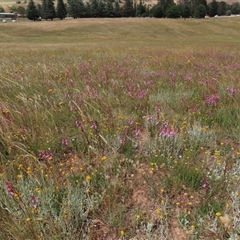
x=7 y=15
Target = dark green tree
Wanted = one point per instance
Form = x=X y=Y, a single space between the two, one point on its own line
x=147 y=13
x=141 y=9
x=72 y=9
x=200 y=11
x=193 y=4
x=235 y=8
x=48 y=9
x=213 y=8
x=222 y=8
x=102 y=9
x=32 y=13
x=157 y=11
x=173 y=12
x=128 y=9
x=117 y=10
x=203 y=2
x=13 y=9
x=1 y=9
x=165 y=4
x=77 y=9
x=21 y=10
x=61 y=9
x=109 y=9
x=88 y=10
x=39 y=9
x=82 y=11
x=185 y=11
x=94 y=8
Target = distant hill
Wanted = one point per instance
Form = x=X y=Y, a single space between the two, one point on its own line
x=8 y=3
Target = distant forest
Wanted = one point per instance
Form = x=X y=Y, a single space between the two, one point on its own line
x=124 y=8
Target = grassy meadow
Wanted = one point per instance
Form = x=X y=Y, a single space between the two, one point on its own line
x=120 y=129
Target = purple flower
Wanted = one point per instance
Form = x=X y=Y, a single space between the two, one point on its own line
x=149 y=117
x=79 y=124
x=34 y=200
x=167 y=131
x=213 y=99
x=130 y=122
x=45 y=155
x=64 y=142
x=231 y=90
x=10 y=189
x=94 y=125
x=137 y=131
x=205 y=183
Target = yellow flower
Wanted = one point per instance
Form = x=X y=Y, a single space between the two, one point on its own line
x=20 y=166
x=88 y=177
x=218 y=214
x=122 y=233
x=158 y=211
x=104 y=158
x=138 y=216
x=28 y=219
x=28 y=170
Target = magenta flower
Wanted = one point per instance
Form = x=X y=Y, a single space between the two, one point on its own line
x=137 y=131
x=231 y=90
x=45 y=155
x=167 y=131
x=213 y=99
x=64 y=142
x=79 y=124
x=205 y=183
x=94 y=125
x=130 y=121
x=34 y=200
x=10 y=189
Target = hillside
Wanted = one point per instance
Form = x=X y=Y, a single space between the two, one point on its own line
x=8 y=3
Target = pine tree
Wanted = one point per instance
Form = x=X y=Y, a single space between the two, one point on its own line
x=109 y=9
x=88 y=10
x=165 y=4
x=94 y=8
x=61 y=9
x=32 y=13
x=102 y=11
x=128 y=9
x=72 y=9
x=48 y=9
x=141 y=9
x=117 y=10
x=82 y=12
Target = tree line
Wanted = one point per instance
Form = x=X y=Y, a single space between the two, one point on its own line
x=128 y=8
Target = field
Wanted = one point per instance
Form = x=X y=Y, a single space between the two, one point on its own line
x=120 y=129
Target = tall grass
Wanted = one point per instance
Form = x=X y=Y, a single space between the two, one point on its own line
x=120 y=141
